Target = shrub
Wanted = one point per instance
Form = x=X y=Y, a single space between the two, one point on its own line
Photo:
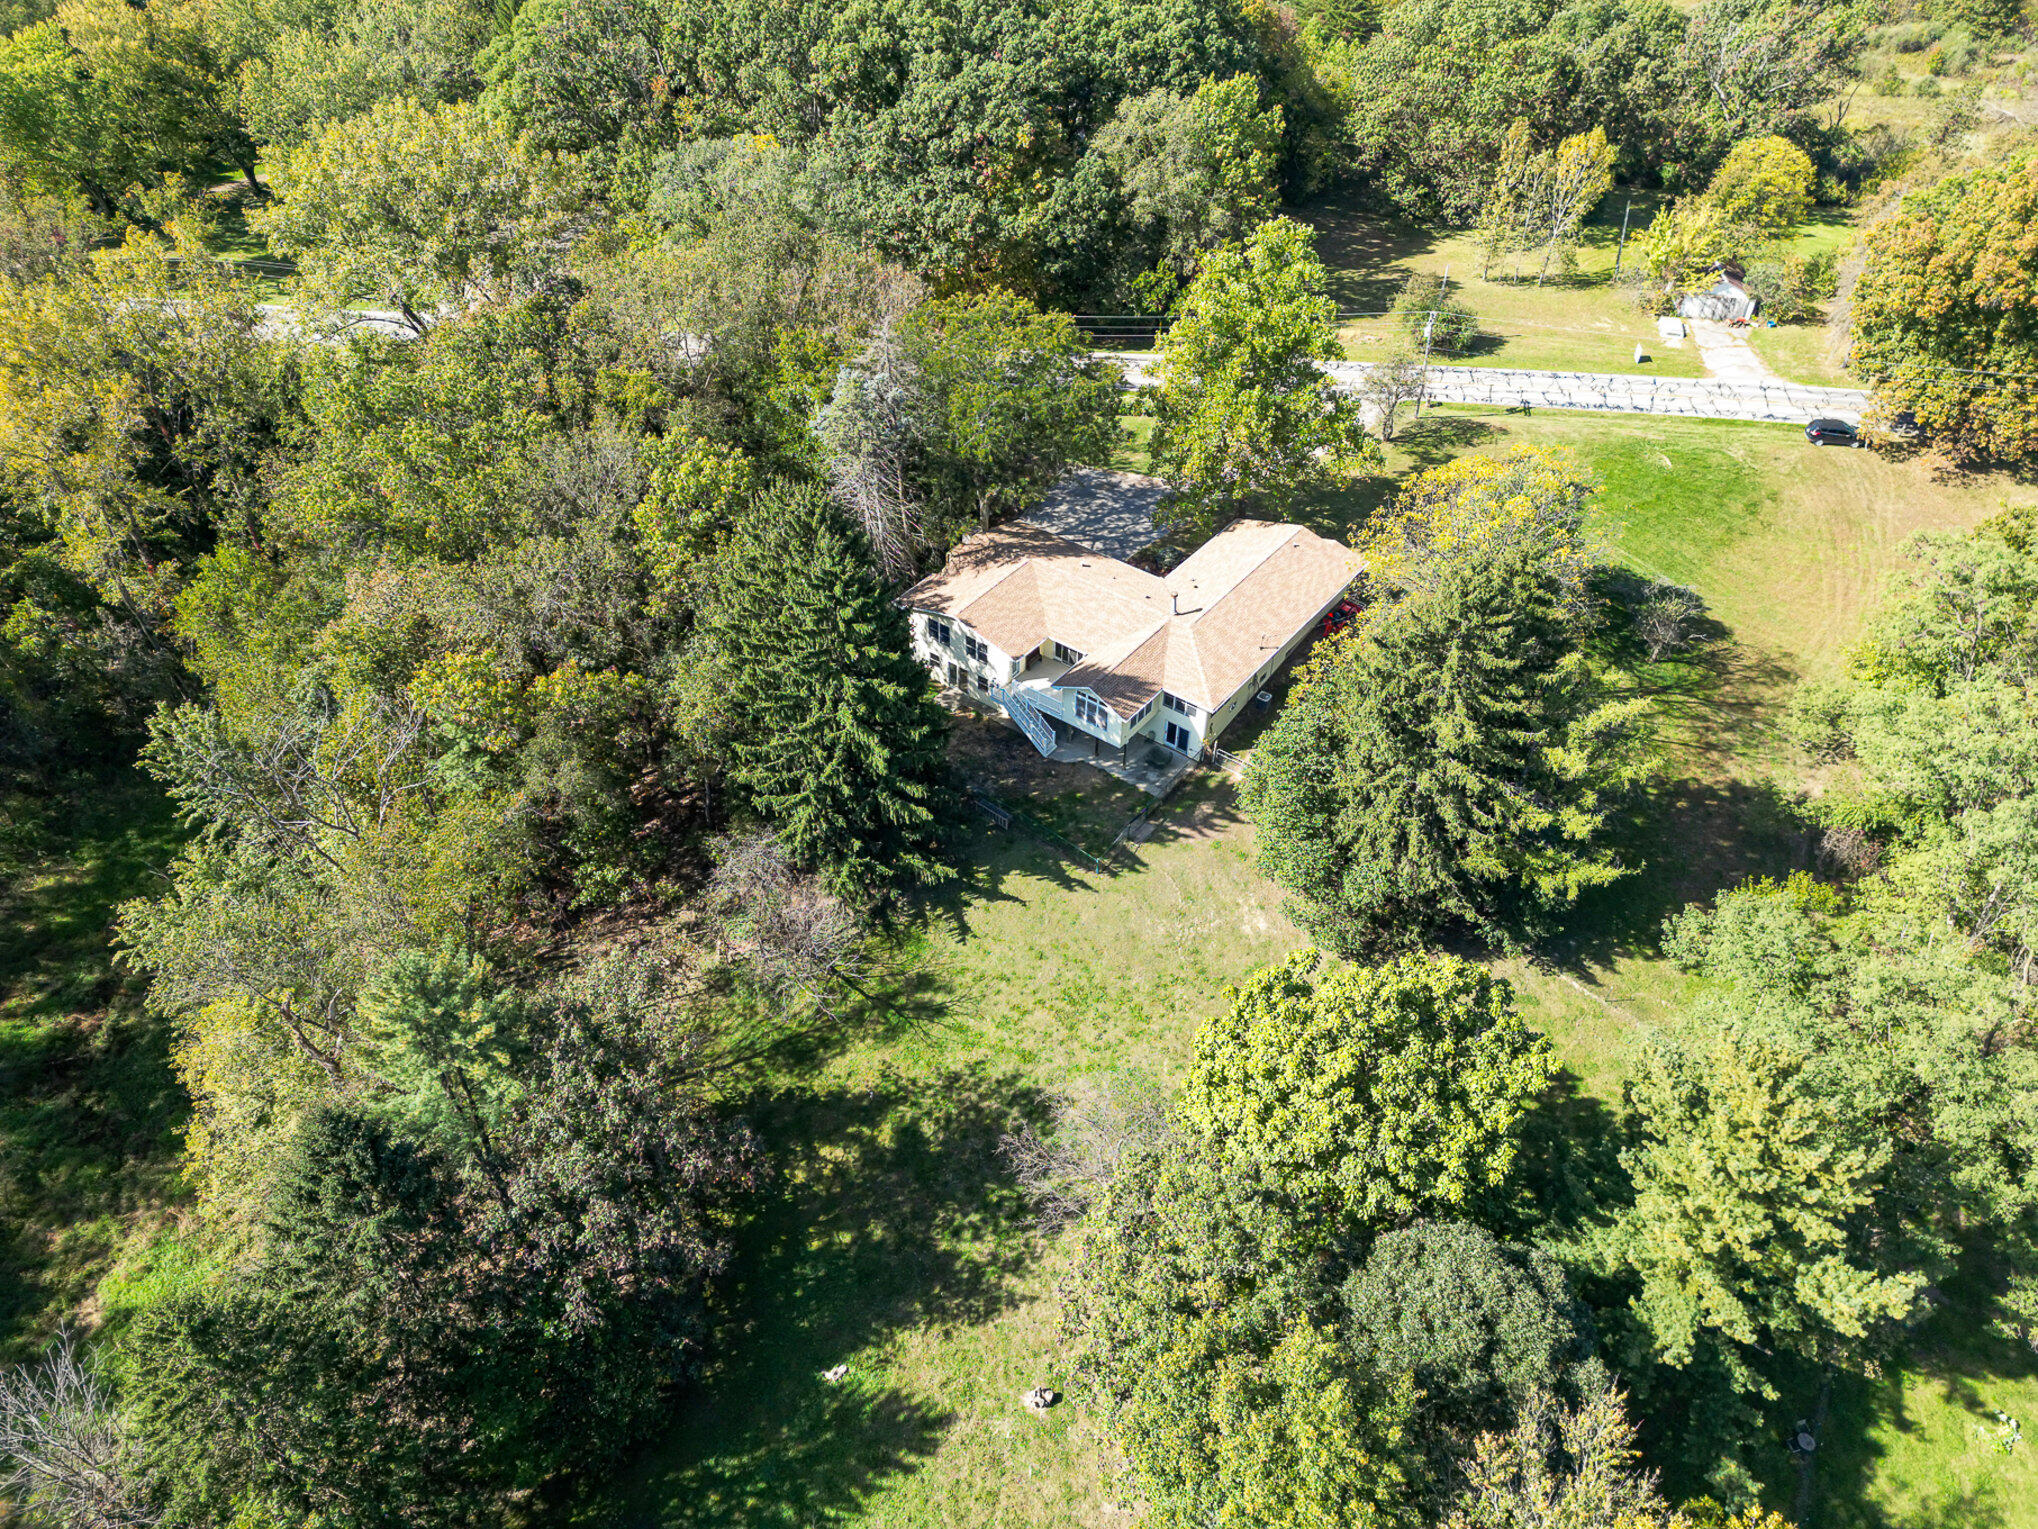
x=1668 y=619
x=1456 y=325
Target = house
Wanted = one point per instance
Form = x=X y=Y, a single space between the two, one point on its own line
x=1078 y=646
x=1727 y=298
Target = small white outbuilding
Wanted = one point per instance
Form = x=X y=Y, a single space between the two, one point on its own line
x=1726 y=299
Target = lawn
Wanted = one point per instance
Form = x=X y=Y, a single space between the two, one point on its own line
x=89 y=1110
x=1803 y=353
x=1572 y=322
x=895 y=1246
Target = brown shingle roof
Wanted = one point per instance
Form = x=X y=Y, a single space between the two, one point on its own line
x=1200 y=633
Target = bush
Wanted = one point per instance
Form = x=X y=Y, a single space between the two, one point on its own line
x=1890 y=82
x=1456 y=325
x=1668 y=619
x=1484 y=1328
x=1914 y=36
x=1792 y=287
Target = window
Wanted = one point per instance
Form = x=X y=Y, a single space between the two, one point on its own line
x=937 y=631
x=1176 y=703
x=1067 y=654
x=1179 y=737
x=1141 y=715
x=983 y=685
x=956 y=674
x=1090 y=712
x=976 y=648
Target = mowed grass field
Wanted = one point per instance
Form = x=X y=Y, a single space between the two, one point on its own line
x=1575 y=321
x=898 y=1246
x=90 y=1113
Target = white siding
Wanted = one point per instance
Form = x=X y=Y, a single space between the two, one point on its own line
x=1227 y=714
x=996 y=668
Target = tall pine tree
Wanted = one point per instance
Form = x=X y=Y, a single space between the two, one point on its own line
x=837 y=738
x=1450 y=764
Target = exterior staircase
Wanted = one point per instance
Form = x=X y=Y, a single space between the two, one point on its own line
x=1027 y=717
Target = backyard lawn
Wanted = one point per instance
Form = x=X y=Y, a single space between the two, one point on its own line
x=898 y=1248
x=89 y=1111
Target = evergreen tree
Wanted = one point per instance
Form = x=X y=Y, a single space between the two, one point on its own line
x=1753 y=1226
x=1450 y=762
x=837 y=738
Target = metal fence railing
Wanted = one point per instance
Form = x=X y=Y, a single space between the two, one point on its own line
x=1006 y=815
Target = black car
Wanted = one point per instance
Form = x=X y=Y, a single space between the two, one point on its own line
x=1832 y=432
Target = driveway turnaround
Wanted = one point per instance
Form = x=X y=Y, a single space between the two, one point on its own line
x=1108 y=512
x=1604 y=392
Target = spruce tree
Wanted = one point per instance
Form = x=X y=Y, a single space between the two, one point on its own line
x=1451 y=763
x=837 y=739
x=1754 y=1226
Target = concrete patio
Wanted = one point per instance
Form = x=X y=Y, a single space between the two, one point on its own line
x=1136 y=769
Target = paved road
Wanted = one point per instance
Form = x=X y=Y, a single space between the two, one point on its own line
x=1607 y=392
x=280 y=319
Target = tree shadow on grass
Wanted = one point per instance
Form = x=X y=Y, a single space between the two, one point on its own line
x=1955 y=1353
x=1364 y=252
x=894 y=1211
x=1690 y=840
x=1439 y=438
x=1568 y=1174
x=89 y=1106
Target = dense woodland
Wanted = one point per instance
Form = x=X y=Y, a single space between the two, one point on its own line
x=496 y=571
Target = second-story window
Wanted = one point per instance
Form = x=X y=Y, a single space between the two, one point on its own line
x=1090 y=712
x=976 y=648
x=1176 y=703
x=937 y=629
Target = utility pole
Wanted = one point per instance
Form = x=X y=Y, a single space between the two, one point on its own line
x=1622 y=248
x=1429 y=333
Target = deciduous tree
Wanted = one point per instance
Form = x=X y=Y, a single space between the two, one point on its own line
x=1945 y=314
x=1244 y=415
x=1371 y=1095
x=1764 y=188
x=1198 y=170
x=427 y=210
x=1206 y=1324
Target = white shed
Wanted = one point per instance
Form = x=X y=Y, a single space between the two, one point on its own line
x=1725 y=299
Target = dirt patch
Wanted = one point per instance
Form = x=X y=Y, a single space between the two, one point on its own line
x=1083 y=805
x=996 y=757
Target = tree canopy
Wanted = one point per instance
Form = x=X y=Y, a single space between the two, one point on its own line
x=1243 y=414
x=1942 y=325
x=1451 y=759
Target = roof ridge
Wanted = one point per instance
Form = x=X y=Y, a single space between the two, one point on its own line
x=1254 y=567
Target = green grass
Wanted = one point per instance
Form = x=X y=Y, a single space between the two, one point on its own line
x=1801 y=353
x=894 y=1247
x=89 y=1110
x=1575 y=321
